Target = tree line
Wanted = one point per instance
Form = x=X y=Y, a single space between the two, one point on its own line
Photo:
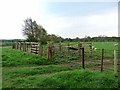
x=36 y=33
x=94 y=39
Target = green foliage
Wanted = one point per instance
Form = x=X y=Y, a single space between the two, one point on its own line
x=54 y=38
x=34 y=32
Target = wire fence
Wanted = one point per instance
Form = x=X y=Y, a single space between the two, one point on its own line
x=89 y=57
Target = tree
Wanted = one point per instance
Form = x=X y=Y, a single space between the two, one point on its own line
x=54 y=38
x=34 y=32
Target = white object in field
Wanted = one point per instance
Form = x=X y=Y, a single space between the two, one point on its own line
x=116 y=44
x=93 y=48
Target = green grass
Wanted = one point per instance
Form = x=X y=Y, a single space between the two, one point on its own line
x=68 y=79
x=12 y=57
x=29 y=71
x=105 y=45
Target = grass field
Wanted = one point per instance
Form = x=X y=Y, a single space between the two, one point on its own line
x=25 y=70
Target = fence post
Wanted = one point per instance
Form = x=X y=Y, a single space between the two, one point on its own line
x=102 y=60
x=83 y=61
x=13 y=46
x=31 y=46
x=115 y=62
x=23 y=46
x=17 y=45
x=80 y=47
x=20 y=45
x=50 y=51
x=39 y=49
x=27 y=46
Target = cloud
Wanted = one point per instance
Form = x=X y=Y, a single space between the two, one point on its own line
x=105 y=23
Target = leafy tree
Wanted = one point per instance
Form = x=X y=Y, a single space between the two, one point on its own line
x=33 y=31
x=54 y=38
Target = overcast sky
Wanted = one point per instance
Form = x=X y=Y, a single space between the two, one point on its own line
x=66 y=18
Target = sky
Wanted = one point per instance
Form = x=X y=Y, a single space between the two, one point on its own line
x=65 y=18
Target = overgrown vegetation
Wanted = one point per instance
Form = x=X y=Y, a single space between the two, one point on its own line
x=14 y=57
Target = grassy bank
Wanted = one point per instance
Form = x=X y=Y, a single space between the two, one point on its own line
x=12 y=57
x=67 y=79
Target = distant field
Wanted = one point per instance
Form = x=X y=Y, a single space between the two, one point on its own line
x=25 y=70
x=99 y=45
x=105 y=45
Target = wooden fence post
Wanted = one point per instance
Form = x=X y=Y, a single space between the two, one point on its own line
x=40 y=50
x=83 y=61
x=102 y=60
x=81 y=49
x=37 y=48
x=13 y=46
x=20 y=45
x=50 y=51
x=27 y=45
x=115 y=62
x=17 y=45
x=23 y=46
x=31 y=47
